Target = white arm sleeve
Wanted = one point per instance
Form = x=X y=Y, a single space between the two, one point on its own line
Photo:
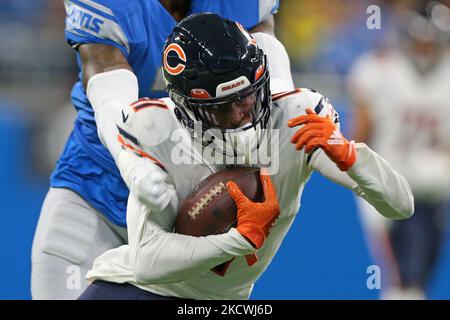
x=109 y=92
x=278 y=61
x=157 y=255
x=371 y=178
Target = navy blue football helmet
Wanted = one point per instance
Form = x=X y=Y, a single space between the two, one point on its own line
x=216 y=74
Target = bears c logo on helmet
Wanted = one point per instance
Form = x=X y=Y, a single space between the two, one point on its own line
x=176 y=70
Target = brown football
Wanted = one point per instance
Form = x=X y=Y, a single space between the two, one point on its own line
x=209 y=208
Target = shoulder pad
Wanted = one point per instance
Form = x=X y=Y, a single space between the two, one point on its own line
x=297 y=101
x=148 y=121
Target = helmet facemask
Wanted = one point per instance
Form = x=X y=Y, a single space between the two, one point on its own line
x=234 y=124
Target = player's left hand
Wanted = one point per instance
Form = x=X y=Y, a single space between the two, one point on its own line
x=321 y=132
x=255 y=219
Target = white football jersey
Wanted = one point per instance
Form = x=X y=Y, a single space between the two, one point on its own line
x=410 y=115
x=178 y=265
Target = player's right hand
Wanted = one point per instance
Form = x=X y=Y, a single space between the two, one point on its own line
x=147 y=181
x=255 y=219
x=152 y=189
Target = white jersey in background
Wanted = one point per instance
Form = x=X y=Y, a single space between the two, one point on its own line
x=169 y=264
x=411 y=113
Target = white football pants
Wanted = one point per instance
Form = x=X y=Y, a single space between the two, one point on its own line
x=69 y=236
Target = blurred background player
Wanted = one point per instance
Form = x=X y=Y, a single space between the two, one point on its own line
x=118 y=45
x=402 y=107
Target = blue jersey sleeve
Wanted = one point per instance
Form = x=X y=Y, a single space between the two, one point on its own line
x=247 y=12
x=267 y=8
x=101 y=21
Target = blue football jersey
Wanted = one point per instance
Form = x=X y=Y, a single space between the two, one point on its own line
x=139 y=29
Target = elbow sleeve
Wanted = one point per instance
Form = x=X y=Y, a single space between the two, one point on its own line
x=109 y=92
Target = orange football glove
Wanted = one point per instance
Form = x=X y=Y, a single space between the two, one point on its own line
x=255 y=219
x=322 y=133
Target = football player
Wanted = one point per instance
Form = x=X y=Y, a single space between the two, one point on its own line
x=118 y=45
x=218 y=81
x=401 y=109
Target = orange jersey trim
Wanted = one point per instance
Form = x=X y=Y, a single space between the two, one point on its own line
x=139 y=152
x=146 y=103
x=281 y=95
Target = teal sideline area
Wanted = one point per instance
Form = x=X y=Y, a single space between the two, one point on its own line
x=323 y=256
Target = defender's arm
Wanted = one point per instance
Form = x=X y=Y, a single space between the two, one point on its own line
x=110 y=84
x=278 y=59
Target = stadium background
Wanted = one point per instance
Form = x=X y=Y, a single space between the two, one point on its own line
x=324 y=256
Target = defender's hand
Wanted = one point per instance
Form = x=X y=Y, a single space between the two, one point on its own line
x=322 y=133
x=255 y=219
